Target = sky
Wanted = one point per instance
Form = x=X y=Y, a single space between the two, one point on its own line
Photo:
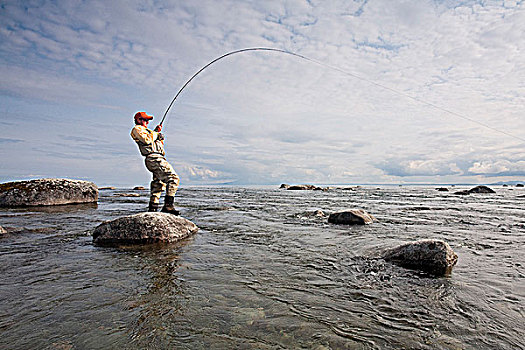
x=394 y=92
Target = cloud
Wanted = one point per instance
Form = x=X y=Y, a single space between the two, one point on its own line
x=498 y=168
x=407 y=168
x=268 y=116
x=6 y=140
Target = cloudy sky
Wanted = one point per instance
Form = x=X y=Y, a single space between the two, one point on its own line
x=409 y=91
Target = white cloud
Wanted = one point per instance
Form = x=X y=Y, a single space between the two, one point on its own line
x=498 y=167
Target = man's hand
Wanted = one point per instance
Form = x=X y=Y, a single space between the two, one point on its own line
x=158 y=128
x=160 y=137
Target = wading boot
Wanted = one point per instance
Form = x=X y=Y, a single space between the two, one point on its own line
x=168 y=206
x=153 y=206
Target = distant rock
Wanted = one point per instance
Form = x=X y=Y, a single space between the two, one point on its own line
x=351 y=217
x=47 y=192
x=149 y=227
x=477 y=189
x=2 y=230
x=462 y=193
x=106 y=188
x=519 y=185
x=433 y=256
x=303 y=187
x=126 y=195
x=139 y=188
x=481 y=189
x=442 y=189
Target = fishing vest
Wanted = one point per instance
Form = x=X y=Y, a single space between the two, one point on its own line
x=148 y=141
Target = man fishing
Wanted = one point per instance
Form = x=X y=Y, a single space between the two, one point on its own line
x=151 y=146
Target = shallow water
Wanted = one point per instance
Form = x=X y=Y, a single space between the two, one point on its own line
x=265 y=273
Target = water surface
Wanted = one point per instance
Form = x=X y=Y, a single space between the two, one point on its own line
x=264 y=272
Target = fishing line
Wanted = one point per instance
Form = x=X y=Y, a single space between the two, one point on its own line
x=346 y=73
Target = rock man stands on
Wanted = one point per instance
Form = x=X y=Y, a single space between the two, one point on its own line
x=151 y=146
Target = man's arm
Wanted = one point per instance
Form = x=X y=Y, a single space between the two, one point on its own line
x=144 y=135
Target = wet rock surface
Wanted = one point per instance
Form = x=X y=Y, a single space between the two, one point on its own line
x=2 y=230
x=351 y=217
x=144 y=228
x=42 y=192
x=432 y=256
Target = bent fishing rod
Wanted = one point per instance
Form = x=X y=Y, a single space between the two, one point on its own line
x=341 y=71
x=226 y=55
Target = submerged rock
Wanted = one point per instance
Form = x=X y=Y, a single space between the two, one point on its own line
x=47 y=192
x=149 y=227
x=126 y=195
x=462 y=193
x=351 y=217
x=519 y=185
x=433 y=256
x=442 y=189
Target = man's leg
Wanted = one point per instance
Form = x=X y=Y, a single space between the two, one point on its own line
x=170 y=177
x=156 y=185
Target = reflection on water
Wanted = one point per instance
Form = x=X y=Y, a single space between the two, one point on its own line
x=267 y=272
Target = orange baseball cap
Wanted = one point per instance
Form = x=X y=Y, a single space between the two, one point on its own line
x=143 y=115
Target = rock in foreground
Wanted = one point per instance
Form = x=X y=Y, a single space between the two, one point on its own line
x=351 y=217
x=47 y=192
x=144 y=228
x=433 y=256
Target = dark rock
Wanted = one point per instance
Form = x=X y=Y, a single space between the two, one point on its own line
x=300 y=187
x=442 y=189
x=351 y=217
x=433 y=256
x=139 y=188
x=519 y=185
x=305 y=187
x=285 y=186
x=149 y=227
x=462 y=193
x=481 y=189
x=47 y=192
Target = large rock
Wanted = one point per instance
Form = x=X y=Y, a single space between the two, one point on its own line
x=351 y=217
x=144 y=228
x=47 y=192
x=433 y=256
